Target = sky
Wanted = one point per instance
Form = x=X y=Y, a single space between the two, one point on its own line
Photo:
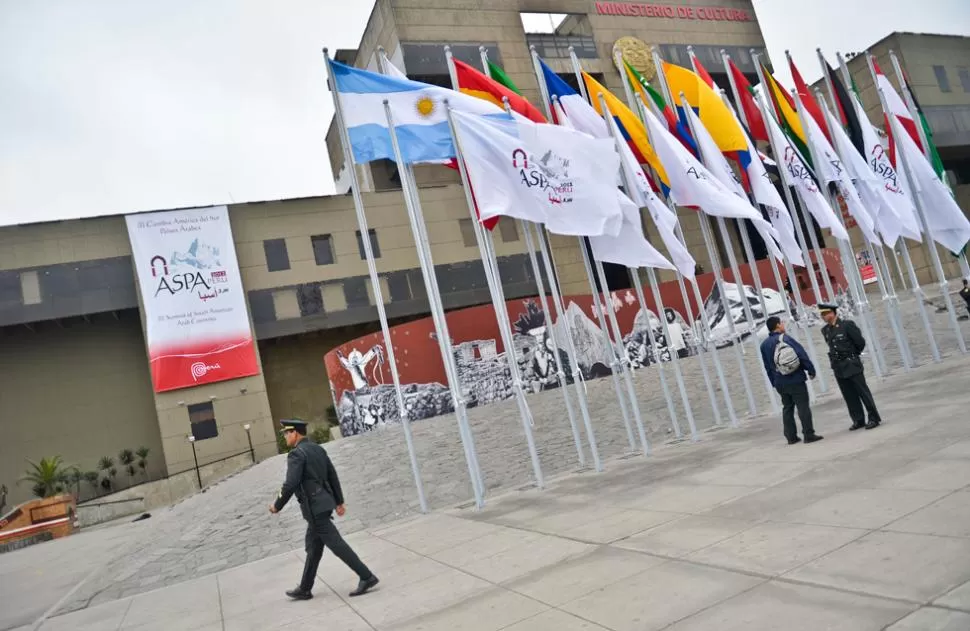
x=117 y=106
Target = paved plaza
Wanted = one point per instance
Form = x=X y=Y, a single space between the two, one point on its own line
x=864 y=530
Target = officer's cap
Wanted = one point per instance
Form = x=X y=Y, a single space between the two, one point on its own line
x=293 y=424
x=826 y=306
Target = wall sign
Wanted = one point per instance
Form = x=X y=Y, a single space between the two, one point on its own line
x=640 y=9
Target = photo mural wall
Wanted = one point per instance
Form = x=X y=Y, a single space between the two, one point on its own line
x=363 y=390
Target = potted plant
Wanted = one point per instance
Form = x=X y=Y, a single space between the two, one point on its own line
x=127 y=458
x=142 y=453
x=107 y=467
x=48 y=477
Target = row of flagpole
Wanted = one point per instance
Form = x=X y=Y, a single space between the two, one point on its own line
x=602 y=302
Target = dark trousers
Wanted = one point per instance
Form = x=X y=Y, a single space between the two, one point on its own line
x=795 y=395
x=856 y=393
x=320 y=534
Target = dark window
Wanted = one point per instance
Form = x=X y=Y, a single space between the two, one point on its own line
x=374 y=245
x=941 y=79
x=277 y=258
x=508 y=229
x=309 y=299
x=322 y=249
x=202 y=418
x=468 y=233
x=965 y=78
x=553 y=33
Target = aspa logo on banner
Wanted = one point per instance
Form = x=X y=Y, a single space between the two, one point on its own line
x=550 y=174
x=197 y=321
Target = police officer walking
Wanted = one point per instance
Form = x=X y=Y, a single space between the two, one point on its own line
x=846 y=343
x=310 y=476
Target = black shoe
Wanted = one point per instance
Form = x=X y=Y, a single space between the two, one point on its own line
x=794 y=441
x=365 y=586
x=856 y=426
x=872 y=425
x=299 y=594
x=814 y=438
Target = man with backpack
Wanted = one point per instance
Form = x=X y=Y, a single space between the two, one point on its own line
x=789 y=369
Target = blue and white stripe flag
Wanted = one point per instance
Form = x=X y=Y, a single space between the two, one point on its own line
x=417 y=109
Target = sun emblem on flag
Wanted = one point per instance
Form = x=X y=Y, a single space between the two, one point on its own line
x=425 y=106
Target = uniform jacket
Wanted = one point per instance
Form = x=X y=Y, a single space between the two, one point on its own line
x=312 y=478
x=768 y=359
x=965 y=294
x=846 y=343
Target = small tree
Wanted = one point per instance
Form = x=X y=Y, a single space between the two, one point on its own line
x=48 y=477
x=91 y=477
x=142 y=453
x=107 y=467
x=127 y=458
x=75 y=475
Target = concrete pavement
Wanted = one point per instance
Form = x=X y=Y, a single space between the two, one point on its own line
x=864 y=530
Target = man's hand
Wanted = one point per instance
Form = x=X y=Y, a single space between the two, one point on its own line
x=341 y=510
x=272 y=508
x=812 y=376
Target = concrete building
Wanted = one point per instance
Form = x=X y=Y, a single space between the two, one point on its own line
x=74 y=376
x=938 y=71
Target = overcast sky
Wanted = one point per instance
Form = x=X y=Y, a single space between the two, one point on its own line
x=114 y=106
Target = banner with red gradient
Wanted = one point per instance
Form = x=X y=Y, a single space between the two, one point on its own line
x=196 y=320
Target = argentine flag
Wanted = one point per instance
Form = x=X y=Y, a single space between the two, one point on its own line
x=417 y=109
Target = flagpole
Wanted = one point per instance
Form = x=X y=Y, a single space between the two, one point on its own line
x=705 y=326
x=498 y=303
x=658 y=302
x=888 y=295
x=907 y=259
x=702 y=220
x=550 y=264
x=715 y=408
x=376 y=285
x=621 y=361
x=848 y=262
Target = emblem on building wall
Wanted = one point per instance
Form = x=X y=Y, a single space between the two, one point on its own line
x=637 y=54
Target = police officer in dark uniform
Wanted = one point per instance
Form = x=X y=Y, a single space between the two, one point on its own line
x=312 y=478
x=846 y=343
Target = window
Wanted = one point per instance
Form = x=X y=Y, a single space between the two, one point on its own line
x=964 y=78
x=277 y=258
x=509 y=230
x=941 y=79
x=553 y=33
x=202 y=418
x=374 y=245
x=322 y=249
x=468 y=233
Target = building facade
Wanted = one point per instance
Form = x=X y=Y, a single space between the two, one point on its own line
x=74 y=374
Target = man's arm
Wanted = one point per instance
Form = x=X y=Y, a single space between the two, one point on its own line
x=768 y=360
x=338 y=494
x=295 y=462
x=855 y=336
x=803 y=357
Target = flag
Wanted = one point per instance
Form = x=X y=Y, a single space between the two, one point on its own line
x=496 y=73
x=756 y=124
x=946 y=221
x=691 y=184
x=542 y=173
x=629 y=247
x=630 y=126
x=474 y=83
x=807 y=100
x=896 y=108
x=647 y=93
x=719 y=120
x=663 y=217
x=830 y=169
x=786 y=114
x=845 y=110
x=868 y=185
x=927 y=133
x=718 y=165
x=418 y=111
x=804 y=183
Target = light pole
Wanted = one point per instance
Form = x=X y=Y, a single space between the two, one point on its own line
x=249 y=437
x=195 y=456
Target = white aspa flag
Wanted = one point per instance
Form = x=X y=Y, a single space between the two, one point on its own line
x=691 y=184
x=869 y=187
x=946 y=221
x=628 y=248
x=801 y=179
x=767 y=195
x=830 y=169
x=878 y=158
x=541 y=173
